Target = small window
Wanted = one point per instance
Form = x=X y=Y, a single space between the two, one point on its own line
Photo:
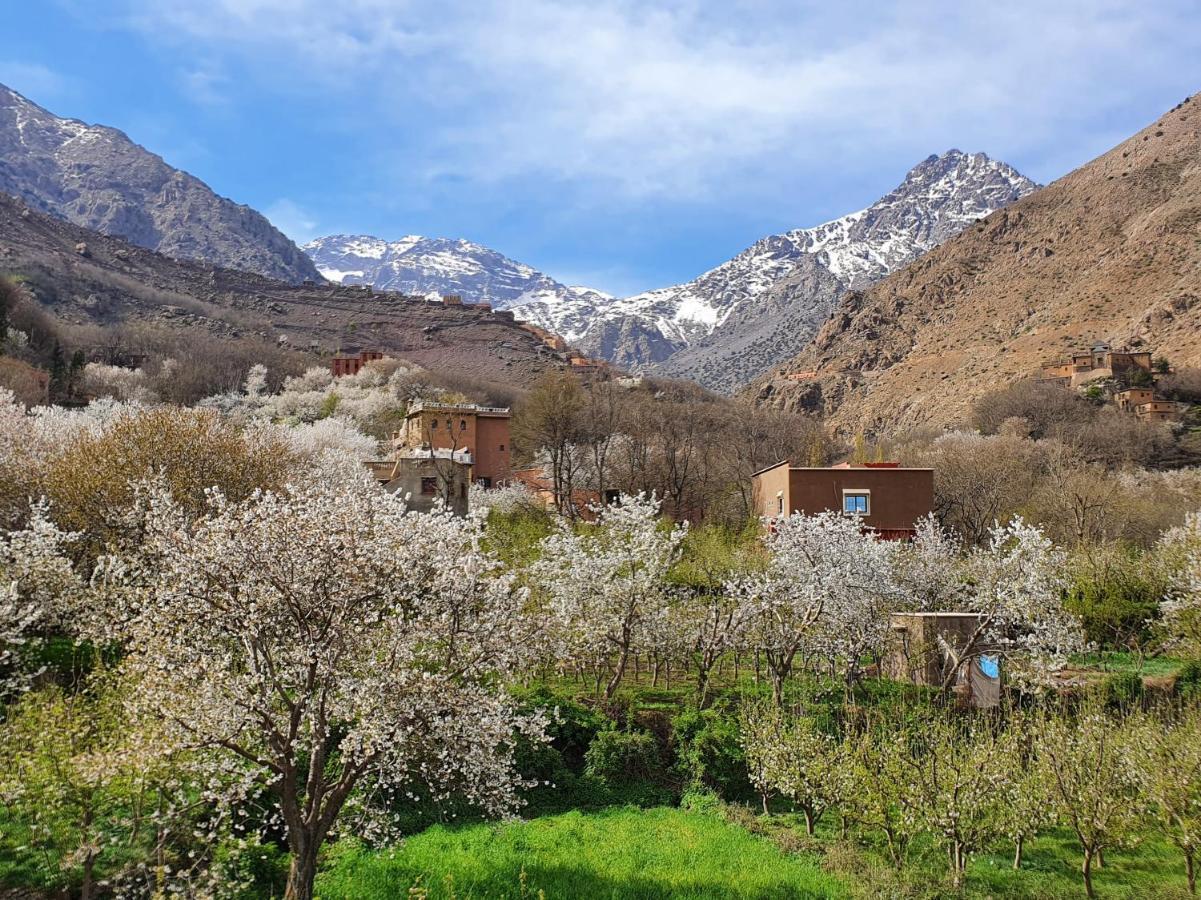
x=779 y=506
x=429 y=486
x=856 y=503
x=462 y=424
x=484 y=482
x=434 y=425
x=502 y=448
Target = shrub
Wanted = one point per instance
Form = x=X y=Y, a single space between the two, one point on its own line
x=709 y=754
x=619 y=756
x=1122 y=690
x=1188 y=680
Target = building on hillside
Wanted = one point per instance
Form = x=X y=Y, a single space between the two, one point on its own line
x=1131 y=399
x=885 y=497
x=351 y=361
x=918 y=652
x=452 y=300
x=428 y=479
x=583 y=500
x=482 y=432
x=1160 y=410
x=1102 y=361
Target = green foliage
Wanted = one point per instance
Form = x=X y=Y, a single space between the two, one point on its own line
x=616 y=757
x=515 y=535
x=328 y=406
x=1122 y=690
x=631 y=854
x=250 y=869
x=709 y=753
x=1094 y=393
x=1188 y=680
x=1115 y=593
x=712 y=554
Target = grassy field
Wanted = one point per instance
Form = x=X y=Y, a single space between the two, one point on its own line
x=625 y=853
x=662 y=853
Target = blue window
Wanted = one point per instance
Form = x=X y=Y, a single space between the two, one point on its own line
x=856 y=504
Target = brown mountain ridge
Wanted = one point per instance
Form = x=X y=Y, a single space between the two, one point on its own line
x=85 y=278
x=1110 y=252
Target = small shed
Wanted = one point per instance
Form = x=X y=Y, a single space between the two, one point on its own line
x=919 y=653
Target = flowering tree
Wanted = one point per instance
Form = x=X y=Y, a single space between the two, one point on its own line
x=958 y=777
x=929 y=569
x=326 y=645
x=607 y=583
x=1169 y=755
x=1016 y=589
x=822 y=565
x=1181 y=546
x=36 y=584
x=796 y=760
x=1095 y=781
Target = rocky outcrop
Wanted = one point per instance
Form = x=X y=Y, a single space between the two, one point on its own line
x=97 y=178
x=1110 y=252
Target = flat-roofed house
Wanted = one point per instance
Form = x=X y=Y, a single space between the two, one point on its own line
x=481 y=431
x=884 y=496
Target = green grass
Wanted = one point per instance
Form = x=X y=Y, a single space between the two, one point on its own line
x=1119 y=661
x=617 y=853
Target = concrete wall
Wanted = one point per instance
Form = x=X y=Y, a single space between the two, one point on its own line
x=450 y=482
x=899 y=497
x=767 y=487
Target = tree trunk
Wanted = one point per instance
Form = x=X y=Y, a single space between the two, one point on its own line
x=808 y=821
x=611 y=687
x=302 y=872
x=1100 y=857
x=1192 y=875
x=1017 y=851
x=1087 y=871
x=763 y=794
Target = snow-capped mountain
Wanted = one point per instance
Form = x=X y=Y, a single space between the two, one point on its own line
x=96 y=177
x=434 y=266
x=757 y=309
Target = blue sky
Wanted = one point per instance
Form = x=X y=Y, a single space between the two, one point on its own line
x=622 y=145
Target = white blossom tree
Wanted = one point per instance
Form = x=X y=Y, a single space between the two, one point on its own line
x=821 y=566
x=1181 y=547
x=1016 y=588
x=607 y=583
x=326 y=645
x=37 y=585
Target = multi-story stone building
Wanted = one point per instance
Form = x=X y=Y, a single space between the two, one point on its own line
x=482 y=432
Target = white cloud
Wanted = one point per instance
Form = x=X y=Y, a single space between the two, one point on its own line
x=677 y=95
x=293 y=220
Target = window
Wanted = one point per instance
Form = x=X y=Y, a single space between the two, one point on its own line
x=429 y=486
x=502 y=448
x=433 y=424
x=462 y=424
x=484 y=482
x=857 y=503
x=779 y=506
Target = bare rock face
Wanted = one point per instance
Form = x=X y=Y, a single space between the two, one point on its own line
x=97 y=178
x=1110 y=252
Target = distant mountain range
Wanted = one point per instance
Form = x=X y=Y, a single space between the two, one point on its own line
x=434 y=266
x=1110 y=252
x=741 y=318
x=97 y=178
x=731 y=323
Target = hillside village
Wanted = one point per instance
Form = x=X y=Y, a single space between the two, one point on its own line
x=864 y=564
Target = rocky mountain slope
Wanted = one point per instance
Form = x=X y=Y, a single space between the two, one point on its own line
x=83 y=277
x=97 y=178
x=434 y=266
x=1110 y=252
x=746 y=315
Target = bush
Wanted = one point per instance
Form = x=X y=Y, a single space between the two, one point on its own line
x=1115 y=594
x=1122 y=690
x=1188 y=680
x=709 y=754
x=616 y=757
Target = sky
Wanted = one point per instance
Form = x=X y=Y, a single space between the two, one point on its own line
x=620 y=145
